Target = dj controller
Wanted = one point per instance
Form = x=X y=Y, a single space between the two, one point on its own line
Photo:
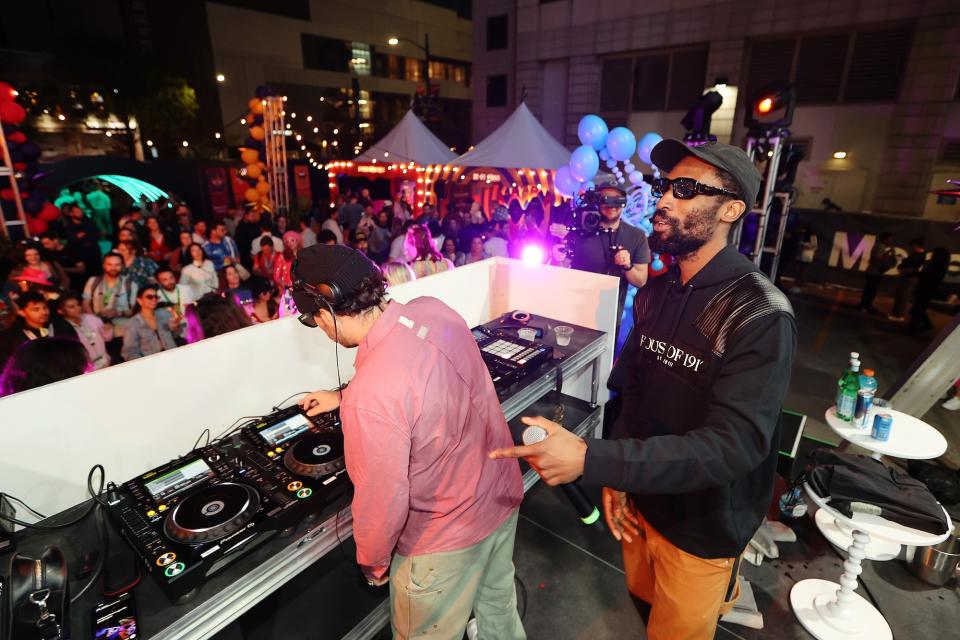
x=191 y=517
x=509 y=358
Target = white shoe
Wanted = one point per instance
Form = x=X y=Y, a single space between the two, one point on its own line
x=472 y=632
x=952 y=404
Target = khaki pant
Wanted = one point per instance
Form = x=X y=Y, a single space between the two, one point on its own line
x=433 y=595
x=687 y=594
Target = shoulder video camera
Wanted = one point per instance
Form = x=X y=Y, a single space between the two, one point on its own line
x=586 y=213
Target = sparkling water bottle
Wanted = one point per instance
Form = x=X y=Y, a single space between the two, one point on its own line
x=849 y=386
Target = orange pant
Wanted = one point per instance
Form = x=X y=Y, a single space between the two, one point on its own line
x=687 y=594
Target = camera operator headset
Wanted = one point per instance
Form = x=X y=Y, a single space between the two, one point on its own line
x=600 y=241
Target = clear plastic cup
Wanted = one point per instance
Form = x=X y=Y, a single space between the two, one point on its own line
x=527 y=333
x=563 y=333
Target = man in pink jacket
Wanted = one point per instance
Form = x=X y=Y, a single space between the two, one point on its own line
x=432 y=514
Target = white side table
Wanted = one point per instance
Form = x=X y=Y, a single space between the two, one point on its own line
x=911 y=439
x=831 y=611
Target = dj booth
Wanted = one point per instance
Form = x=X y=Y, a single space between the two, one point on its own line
x=140 y=416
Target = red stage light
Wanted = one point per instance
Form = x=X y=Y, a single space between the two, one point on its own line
x=765 y=105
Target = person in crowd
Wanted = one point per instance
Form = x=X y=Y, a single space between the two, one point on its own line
x=112 y=298
x=909 y=269
x=401 y=248
x=173 y=296
x=476 y=252
x=359 y=242
x=265 y=307
x=332 y=225
x=431 y=513
x=451 y=227
x=401 y=208
x=265 y=260
x=436 y=233
x=364 y=198
x=181 y=255
x=198 y=275
x=136 y=266
x=32 y=322
x=378 y=239
x=367 y=222
x=232 y=220
x=221 y=249
x=266 y=231
x=231 y=284
x=88 y=329
x=151 y=330
x=396 y=272
x=427 y=260
x=307 y=234
x=351 y=214
x=475 y=227
x=158 y=249
x=99 y=208
x=882 y=259
x=200 y=232
x=496 y=242
x=688 y=471
x=280 y=224
x=184 y=217
x=450 y=252
x=284 y=263
x=931 y=276
x=807 y=250
x=41 y=362
x=68 y=258
x=83 y=240
x=214 y=315
x=125 y=233
x=30 y=265
x=326 y=237
x=248 y=230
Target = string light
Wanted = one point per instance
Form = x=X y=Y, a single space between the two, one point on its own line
x=185 y=143
x=217 y=135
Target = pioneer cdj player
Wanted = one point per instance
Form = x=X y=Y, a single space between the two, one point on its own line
x=509 y=358
x=192 y=517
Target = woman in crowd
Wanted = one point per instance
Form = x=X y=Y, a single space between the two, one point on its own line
x=476 y=253
x=151 y=330
x=31 y=267
x=378 y=240
x=265 y=307
x=265 y=261
x=396 y=272
x=157 y=249
x=284 y=263
x=181 y=255
x=427 y=260
x=213 y=315
x=42 y=361
x=231 y=284
x=136 y=266
x=88 y=328
x=450 y=251
x=198 y=274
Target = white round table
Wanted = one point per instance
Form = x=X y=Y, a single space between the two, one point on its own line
x=910 y=438
x=831 y=611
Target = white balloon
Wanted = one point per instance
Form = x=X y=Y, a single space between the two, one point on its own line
x=636 y=177
x=611 y=163
x=629 y=168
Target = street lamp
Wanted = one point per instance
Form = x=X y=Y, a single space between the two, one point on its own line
x=221 y=77
x=425 y=47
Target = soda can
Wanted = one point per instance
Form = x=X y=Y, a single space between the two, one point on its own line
x=861 y=416
x=882 y=422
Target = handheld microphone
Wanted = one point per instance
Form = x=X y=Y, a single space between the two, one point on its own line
x=589 y=514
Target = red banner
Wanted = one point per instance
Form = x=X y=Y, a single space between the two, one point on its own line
x=217 y=191
x=240 y=186
x=301 y=181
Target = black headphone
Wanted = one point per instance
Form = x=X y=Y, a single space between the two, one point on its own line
x=319 y=299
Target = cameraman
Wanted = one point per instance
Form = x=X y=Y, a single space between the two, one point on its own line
x=616 y=249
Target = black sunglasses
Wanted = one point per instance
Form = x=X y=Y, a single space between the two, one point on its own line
x=687 y=188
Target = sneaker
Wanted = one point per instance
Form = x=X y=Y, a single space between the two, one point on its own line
x=472 y=631
x=953 y=404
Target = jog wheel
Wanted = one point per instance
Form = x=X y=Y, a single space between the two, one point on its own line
x=212 y=513
x=315 y=455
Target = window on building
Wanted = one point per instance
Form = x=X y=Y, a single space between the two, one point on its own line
x=688 y=76
x=497 y=34
x=650 y=82
x=497 y=91
x=877 y=65
x=820 y=68
x=361 y=58
x=615 y=85
x=770 y=61
x=412 y=69
x=326 y=54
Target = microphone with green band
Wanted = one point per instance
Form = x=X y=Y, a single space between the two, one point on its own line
x=589 y=514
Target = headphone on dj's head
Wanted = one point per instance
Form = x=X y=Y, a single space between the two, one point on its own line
x=321 y=300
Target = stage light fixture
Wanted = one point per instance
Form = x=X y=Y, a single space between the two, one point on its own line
x=839 y=155
x=771 y=107
x=697 y=119
x=765 y=105
x=533 y=255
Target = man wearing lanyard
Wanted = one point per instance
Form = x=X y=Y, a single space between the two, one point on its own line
x=33 y=321
x=112 y=297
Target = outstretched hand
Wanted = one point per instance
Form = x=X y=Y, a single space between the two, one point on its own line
x=558 y=459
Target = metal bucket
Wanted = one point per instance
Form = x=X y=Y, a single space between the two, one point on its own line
x=936 y=564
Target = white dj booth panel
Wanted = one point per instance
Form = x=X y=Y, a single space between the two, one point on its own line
x=138 y=415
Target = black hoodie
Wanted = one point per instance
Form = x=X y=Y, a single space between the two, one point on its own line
x=703 y=376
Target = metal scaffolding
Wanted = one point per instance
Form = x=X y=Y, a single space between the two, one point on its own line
x=276 y=153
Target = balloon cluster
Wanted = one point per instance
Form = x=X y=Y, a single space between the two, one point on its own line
x=254 y=151
x=25 y=155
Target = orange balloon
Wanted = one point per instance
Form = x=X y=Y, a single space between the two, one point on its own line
x=249 y=156
x=253 y=171
x=256 y=107
x=257 y=133
x=263 y=187
x=251 y=194
x=265 y=201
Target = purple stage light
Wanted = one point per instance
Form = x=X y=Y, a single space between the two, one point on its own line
x=533 y=255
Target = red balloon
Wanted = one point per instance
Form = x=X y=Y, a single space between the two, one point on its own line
x=49 y=212
x=11 y=113
x=20 y=166
x=36 y=226
x=7 y=93
x=17 y=137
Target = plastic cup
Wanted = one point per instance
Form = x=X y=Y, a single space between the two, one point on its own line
x=563 y=333
x=527 y=333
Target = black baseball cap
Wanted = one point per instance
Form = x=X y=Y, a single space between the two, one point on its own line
x=734 y=160
x=328 y=264
x=610 y=184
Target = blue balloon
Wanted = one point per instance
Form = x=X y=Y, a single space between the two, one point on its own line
x=584 y=163
x=611 y=163
x=592 y=131
x=621 y=143
x=657 y=264
x=565 y=183
x=636 y=177
x=646 y=145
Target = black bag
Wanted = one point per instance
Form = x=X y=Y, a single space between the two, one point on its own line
x=860 y=483
x=39 y=597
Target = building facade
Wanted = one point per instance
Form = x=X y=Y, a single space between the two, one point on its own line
x=875 y=80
